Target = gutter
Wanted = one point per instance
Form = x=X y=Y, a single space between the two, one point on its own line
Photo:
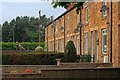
x=111 y=32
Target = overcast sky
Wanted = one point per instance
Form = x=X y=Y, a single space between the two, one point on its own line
x=14 y=8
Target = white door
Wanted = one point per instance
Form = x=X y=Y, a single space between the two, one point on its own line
x=92 y=52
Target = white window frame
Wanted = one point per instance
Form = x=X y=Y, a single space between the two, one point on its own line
x=86 y=14
x=68 y=21
x=104 y=47
x=68 y=39
x=86 y=43
x=62 y=40
x=77 y=19
x=105 y=59
x=62 y=25
x=77 y=43
x=68 y=18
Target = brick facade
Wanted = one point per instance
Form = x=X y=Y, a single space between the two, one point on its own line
x=94 y=32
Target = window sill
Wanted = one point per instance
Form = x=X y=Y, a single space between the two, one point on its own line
x=104 y=17
x=86 y=24
x=103 y=54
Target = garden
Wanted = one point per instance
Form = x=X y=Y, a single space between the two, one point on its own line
x=11 y=56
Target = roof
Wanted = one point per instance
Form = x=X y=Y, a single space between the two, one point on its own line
x=60 y=16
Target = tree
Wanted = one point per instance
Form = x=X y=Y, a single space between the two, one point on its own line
x=70 y=52
x=23 y=29
x=67 y=4
x=0 y=33
x=6 y=32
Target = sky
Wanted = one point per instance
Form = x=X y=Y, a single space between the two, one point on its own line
x=13 y=8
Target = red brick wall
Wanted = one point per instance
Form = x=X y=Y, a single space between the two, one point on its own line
x=95 y=24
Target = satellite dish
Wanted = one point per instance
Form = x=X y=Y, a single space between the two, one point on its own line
x=79 y=24
x=61 y=28
x=104 y=8
x=76 y=30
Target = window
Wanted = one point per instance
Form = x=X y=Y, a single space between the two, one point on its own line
x=62 y=22
x=62 y=25
x=68 y=39
x=104 y=40
x=68 y=22
x=104 y=13
x=53 y=45
x=56 y=29
x=68 y=18
x=77 y=19
x=62 y=45
x=105 y=59
x=86 y=43
x=86 y=8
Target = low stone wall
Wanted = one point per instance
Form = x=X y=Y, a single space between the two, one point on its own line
x=86 y=65
x=63 y=71
x=35 y=68
x=70 y=73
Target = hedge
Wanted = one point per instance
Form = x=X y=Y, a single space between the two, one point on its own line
x=26 y=45
x=30 y=59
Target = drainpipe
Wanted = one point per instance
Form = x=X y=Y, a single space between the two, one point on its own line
x=54 y=35
x=111 y=32
x=80 y=31
x=47 y=39
x=64 y=33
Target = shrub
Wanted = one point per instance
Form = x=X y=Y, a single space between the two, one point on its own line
x=26 y=45
x=29 y=58
x=39 y=49
x=70 y=52
x=87 y=58
x=8 y=45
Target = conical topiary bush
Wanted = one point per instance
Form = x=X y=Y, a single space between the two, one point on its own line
x=70 y=52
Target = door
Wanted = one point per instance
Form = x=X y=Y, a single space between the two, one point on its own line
x=96 y=46
x=92 y=50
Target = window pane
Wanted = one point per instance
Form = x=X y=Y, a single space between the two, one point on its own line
x=87 y=15
x=104 y=40
x=86 y=42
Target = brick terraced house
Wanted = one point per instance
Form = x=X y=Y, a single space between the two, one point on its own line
x=95 y=30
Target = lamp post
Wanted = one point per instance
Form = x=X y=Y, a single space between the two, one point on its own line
x=39 y=27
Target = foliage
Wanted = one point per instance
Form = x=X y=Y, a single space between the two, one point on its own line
x=70 y=52
x=26 y=45
x=84 y=58
x=29 y=59
x=39 y=49
x=24 y=29
x=87 y=58
x=66 y=5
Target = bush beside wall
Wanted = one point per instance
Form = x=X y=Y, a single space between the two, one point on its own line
x=26 y=45
x=70 y=52
x=30 y=59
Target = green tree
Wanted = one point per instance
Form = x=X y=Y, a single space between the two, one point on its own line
x=24 y=29
x=78 y=5
x=70 y=52
x=6 y=32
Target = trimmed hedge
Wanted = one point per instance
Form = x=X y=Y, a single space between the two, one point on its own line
x=26 y=45
x=30 y=59
x=70 y=52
